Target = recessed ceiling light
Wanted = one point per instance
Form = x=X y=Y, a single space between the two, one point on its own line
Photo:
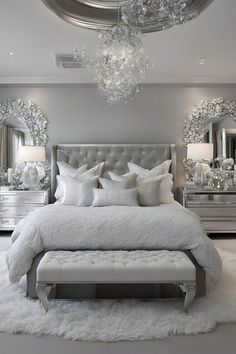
x=12 y=63
x=11 y=53
x=202 y=61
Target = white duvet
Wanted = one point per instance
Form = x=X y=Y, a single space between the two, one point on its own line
x=69 y=227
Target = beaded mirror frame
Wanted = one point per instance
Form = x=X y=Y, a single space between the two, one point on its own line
x=213 y=109
x=30 y=114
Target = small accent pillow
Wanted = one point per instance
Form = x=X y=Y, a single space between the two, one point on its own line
x=155 y=190
x=67 y=170
x=126 y=197
x=161 y=169
x=78 y=193
x=109 y=184
x=129 y=178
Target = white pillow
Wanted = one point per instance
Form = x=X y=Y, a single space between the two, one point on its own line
x=109 y=184
x=161 y=169
x=67 y=170
x=160 y=186
x=106 y=197
x=80 y=175
x=94 y=171
x=78 y=193
x=86 y=191
x=129 y=178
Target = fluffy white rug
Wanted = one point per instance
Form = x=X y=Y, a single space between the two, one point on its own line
x=117 y=320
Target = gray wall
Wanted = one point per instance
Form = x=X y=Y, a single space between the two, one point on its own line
x=77 y=114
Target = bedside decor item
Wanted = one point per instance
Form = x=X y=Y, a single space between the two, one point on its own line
x=201 y=153
x=32 y=173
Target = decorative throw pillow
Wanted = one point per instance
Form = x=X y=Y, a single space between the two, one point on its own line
x=80 y=175
x=94 y=171
x=126 y=197
x=86 y=191
x=114 y=185
x=155 y=190
x=78 y=193
x=67 y=170
x=129 y=178
x=161 y=169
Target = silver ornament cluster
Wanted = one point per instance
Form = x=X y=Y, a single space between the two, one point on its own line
x=167 y=13
x=120 y=63
x=205 y=110
x=30 y=114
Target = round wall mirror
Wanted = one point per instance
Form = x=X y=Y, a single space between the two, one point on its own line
x=21 y=123
x=213 y=122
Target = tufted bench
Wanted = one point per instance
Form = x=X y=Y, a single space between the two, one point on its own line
x=61 y=267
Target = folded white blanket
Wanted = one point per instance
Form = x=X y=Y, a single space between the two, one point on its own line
x=69 y=227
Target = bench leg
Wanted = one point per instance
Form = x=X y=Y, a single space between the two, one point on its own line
x=42 y=291
x=190 y=293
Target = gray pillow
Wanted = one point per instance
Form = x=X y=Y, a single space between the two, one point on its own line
x=155 y=190
x=109 y=184
x=129 y=178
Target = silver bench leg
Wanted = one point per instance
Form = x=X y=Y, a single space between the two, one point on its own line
x=42 y=291
x=190 y=293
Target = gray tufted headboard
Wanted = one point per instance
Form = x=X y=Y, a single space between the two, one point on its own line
x=116 y=156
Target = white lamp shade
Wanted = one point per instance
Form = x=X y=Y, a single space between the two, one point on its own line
x=200 y=152
x=31 y=153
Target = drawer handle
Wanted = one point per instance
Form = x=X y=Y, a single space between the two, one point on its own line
x=4 y=210
x=4 y=199
x=5 y=221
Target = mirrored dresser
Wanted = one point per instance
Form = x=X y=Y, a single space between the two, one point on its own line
x=16 y=204
x=216 y=208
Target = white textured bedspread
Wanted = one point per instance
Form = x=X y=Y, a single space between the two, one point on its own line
x=68 y=227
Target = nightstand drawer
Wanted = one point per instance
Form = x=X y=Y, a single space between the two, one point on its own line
x=220 y=212
x=8 y=211
x=22 y=199
x=210 y=200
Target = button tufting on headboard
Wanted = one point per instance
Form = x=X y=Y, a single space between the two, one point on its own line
x=115 y=156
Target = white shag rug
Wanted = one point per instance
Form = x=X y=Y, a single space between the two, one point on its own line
x=117 y=320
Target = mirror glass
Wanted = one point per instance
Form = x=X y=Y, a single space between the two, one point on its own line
x=13 y=134
x=221 y=132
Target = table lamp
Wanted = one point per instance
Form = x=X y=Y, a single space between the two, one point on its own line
x=202 y=154
x=31 y=155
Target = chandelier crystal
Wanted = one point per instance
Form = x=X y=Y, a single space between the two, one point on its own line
x=167 y=13
x=120 y=63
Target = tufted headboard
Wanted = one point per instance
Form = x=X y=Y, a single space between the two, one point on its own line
x=115 y=156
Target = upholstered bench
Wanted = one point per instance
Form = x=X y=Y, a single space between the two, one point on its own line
x=61 y=267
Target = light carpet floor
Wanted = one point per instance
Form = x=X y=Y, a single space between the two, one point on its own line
x=117 y=320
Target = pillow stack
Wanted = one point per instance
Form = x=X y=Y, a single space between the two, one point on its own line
x=137 y=187
x=75 y=186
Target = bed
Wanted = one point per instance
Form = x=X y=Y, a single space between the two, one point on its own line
x=57 y=236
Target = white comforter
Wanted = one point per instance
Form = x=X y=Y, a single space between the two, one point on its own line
x=68 y=227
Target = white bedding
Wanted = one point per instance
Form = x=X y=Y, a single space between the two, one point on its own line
x=69 y=227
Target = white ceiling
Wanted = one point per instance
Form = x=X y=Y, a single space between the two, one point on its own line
x=34 y=35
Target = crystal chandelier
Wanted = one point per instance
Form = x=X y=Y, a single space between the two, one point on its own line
x=166 y=12
x=120 y=63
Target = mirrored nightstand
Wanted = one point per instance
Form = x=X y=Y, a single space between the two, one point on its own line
x=217 y=209
x=16 y=204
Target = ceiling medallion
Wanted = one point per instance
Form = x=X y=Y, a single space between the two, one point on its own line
x=155 y=15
